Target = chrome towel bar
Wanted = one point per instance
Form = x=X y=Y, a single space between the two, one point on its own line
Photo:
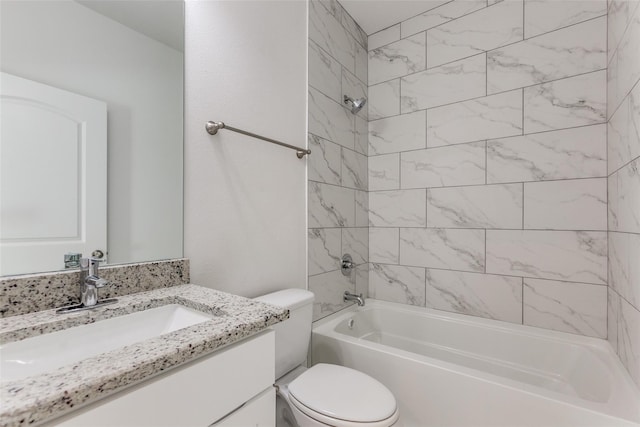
x=214 y=127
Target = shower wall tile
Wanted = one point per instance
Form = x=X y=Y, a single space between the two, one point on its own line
x=354 y=88
x=628 y=61
x=440 y=15
x=493 y=116
x=384 y=245
x=613 y=316
x=362 y=61
x=362 y=136
x=571 y=102
x=402 y=208
x=629 y=339
x=619 y=15
x=338 y=172
x=397 y=284
x=468 y=35
x=333 y=6
x=330 y=206
x=397 y=59
x=576 y=256
x=384 y=172
x=324 y=72
x=454 y=249
x=362 y=209
x=508 y=163
x=329 y=289
x=324 y=250
x=350 y=25
x=354 y=170
x=623 y=132
x=579 y=204
x=612 y=81
x=326 y=162
x=483 y=295
x=624 y=269
x=399 y=133
x=577 y=49
x=542 y=16
x=355 y=242
x=623 y=84
x=483 y=206
x=328 y=33
x=384 y=37
x=362 y=279
x=577 y=308
x=462 y=164
x=563 y=154
x=624 y=198
x=384 y=99
x=453 y=82
x=330 y=120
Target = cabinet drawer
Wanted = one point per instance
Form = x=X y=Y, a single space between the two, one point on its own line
x=192 y=395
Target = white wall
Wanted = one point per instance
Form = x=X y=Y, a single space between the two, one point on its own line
x=245 y=216
x=64 y=44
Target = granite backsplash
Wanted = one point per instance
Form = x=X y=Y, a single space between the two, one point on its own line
x=35 y=292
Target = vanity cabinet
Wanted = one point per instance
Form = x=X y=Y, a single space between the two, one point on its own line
x=230 y=387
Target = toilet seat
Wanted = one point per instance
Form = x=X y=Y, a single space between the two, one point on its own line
x=336 y=395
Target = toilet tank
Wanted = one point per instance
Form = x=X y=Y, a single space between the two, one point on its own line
x=292 y=335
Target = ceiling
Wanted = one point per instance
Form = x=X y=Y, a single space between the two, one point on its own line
x=376 y=15
x=162 y=20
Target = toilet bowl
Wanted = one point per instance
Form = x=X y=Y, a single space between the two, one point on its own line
x=324 y=394
x=338 y=396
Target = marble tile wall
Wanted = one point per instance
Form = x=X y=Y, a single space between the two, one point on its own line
x=623 y=166
x=337 y=167
x=487 y=163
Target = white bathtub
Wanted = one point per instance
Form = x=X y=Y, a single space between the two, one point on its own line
x=448 y=369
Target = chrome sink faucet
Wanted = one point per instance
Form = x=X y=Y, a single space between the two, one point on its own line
x=90 y=281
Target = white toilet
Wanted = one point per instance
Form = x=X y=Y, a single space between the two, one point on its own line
x=323 y=395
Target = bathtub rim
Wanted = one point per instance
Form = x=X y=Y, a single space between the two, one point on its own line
x=600 y=347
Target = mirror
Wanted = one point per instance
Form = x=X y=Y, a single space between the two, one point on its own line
x=91 y=131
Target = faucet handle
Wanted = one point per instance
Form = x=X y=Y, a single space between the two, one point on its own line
x=91 y=264
x=100 y=283
x=86 y=262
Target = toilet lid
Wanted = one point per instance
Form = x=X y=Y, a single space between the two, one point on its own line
x=343 y=393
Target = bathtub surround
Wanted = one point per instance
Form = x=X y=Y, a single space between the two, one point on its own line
x=488 y=162
x=623 y=132
x=36 y=292
x=337 y=177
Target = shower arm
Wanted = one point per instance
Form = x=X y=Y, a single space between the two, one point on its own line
x=213 y=128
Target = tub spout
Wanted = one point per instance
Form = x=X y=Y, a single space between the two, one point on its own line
x=353 y=297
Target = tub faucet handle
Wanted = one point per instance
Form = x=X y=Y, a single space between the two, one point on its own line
x=347 y=264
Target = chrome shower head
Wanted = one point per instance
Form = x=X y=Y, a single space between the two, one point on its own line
x=355 y=104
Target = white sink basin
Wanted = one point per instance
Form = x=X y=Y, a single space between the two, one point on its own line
x=46 y=352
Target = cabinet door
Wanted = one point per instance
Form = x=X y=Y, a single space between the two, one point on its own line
x=204 y=390
x=258 y=412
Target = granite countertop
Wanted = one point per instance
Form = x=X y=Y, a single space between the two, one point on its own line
x=45 y=396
